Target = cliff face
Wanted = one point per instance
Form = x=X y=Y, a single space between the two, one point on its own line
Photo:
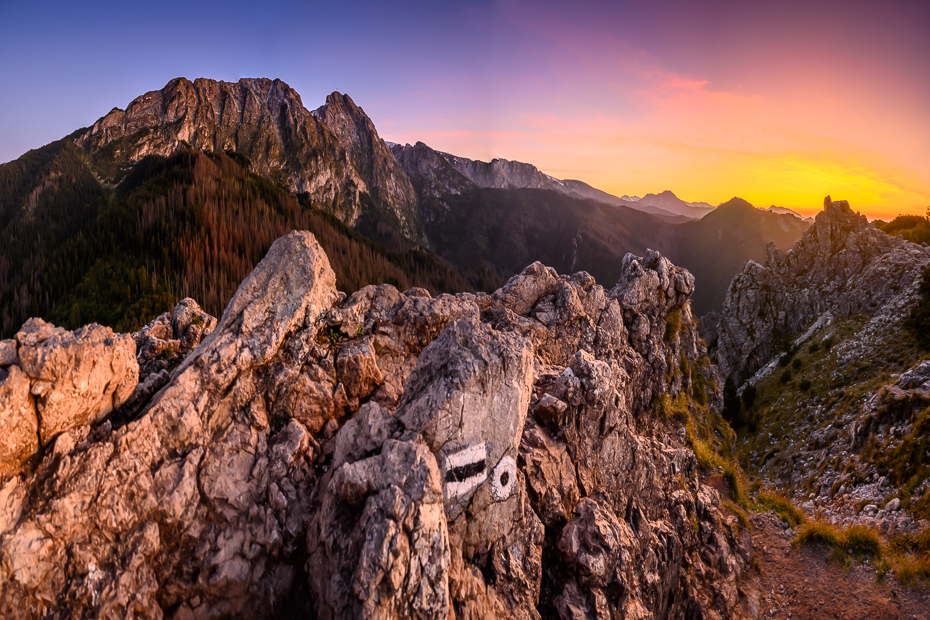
x=372 y=159
x=335 y=155
x=387 y=455
x=842 y=266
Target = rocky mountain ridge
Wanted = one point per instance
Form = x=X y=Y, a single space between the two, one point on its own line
x=506 y=174
x=837 y=418
x=333 y=154
x=670 y=203
x=506 y=228
x=384 y=455
x=842 y=265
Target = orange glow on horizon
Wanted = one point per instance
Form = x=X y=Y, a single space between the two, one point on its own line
x=788 y=149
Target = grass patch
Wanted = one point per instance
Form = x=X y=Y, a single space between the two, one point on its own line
x=672 y=325
x=741 y=515
x=782 y=506
x=736 y=489
x=849 y=546
x=907 y=555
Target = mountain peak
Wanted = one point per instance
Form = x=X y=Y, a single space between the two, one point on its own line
x=735 y=203
x=333 y=154
x=341 y=101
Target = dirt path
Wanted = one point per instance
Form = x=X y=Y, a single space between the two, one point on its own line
x=802 y=583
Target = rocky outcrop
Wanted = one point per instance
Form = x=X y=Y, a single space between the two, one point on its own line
x=432 y=176
x=333 y=154
x=393 y=455
x=502 y=173
x=164 y=342
x=55 y=381
x=842 y=265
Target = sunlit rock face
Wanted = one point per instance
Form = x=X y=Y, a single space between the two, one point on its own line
x=387 y=455
x=842 y=265
x=54 y=381
x=333 y=154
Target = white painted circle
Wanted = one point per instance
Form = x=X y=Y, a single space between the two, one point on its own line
x=504 y=478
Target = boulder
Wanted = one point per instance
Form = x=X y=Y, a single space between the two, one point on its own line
x=168 y=338
x=8 y=353
x=76 y=377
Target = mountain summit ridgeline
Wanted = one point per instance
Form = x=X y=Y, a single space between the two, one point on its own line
x=333 y=154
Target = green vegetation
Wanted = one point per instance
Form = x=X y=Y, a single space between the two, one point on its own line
x=904 y=459
x=907 y=555
x=910 y=557
x=788 y=427
x=672 y=325
x=850 y=546
x=706 y=433
x=731 y=475
x=732 y=411
x=740 y=513
x=914 y=228
x=46 y=197
x=782 y=506
x=189 y=225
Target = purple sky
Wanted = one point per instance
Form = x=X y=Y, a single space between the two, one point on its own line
x=779 y=102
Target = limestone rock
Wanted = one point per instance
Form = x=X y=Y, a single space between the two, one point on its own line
x=357 y=368
x=164 y=342
x=77 y=377
x=468 y=399
x=385 y=455
x=8 y=353
x=841 y=265
x=18 y=422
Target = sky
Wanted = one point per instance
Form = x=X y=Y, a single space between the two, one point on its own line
x=776 y=102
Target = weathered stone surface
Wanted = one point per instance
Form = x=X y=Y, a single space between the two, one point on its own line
x=357 y=368
x=333 y=153
x=8 y=353
x=841 y=265
x=468 y=399
x=388 y=455
x=18 y=422
x=164 y=342
x=186 y=506
x=76 y=377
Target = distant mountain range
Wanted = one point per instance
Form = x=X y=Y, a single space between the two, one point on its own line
x=146 y=198
x=787 y=211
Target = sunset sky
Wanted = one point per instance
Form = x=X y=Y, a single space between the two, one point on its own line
x=777 y=102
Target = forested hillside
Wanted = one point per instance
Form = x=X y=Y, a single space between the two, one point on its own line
x=193 y=225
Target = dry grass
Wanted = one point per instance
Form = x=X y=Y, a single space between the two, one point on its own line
x=907 y=555
x=782 y=506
